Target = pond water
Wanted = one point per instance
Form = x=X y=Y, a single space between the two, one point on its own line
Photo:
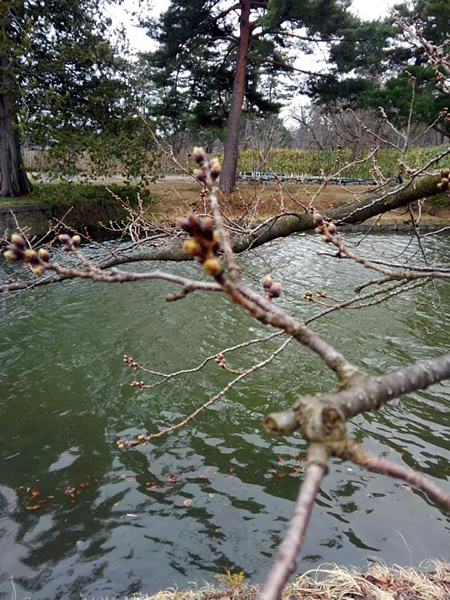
x=218 y=494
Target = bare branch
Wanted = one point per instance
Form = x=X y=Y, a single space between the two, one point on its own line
x=165 y=377
x=289 y=549
x=323 y=416
x=143 y=439
x=358 y=455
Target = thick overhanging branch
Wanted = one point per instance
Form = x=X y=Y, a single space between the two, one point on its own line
x=393 y=198
x=280 y=226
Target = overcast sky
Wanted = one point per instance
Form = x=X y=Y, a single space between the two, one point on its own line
x=372 y=9
x=366 y=9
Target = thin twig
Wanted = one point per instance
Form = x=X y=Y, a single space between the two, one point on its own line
x=168 y=376
x=358 y=455
x=289 y=549
x=142 y=439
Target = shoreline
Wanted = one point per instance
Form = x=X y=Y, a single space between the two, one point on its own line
x=37 y=217
x=329 y=582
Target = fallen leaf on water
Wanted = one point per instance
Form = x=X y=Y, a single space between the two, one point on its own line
x=187 y=502
x=37 y=505
x=172 y=478
x=128 y=477
x=84 y=484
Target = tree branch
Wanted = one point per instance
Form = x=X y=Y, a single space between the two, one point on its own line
x=317 y=416
x=358 y=455
x=289 y=549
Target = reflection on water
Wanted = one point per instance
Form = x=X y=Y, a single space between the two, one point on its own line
x=218 y=494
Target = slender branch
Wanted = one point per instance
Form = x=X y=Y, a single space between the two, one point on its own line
x=288 y=551
x=143 y=439
x=399 y=287
x=165 y=377
x=404 y=272
x=358 y=455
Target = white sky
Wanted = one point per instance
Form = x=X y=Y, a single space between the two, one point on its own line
x=366 y=9
x=371 y=10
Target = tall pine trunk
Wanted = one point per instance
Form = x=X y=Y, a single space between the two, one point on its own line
x=231 y=153
x=13 y=178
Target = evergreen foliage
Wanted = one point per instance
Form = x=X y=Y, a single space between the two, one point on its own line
x=214 y=58
x=63 y=85
x=375 y=65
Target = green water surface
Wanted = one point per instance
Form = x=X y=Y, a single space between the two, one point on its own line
x=217 y=495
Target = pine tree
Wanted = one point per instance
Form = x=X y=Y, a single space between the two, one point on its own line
x=374 y=67
x=213 y=57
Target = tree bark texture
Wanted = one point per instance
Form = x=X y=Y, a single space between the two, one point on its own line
x=231 y=155
x=13 y=178
x=321 y=418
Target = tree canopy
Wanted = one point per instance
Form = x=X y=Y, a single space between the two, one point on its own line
x=380 y=64
x=62 y=83
x=214 y=58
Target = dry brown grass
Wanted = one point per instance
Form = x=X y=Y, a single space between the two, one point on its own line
x=330 y=582
x=175 y=198
x=247 y=198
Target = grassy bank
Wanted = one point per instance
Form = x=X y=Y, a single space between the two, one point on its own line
x=330 y=582
x=82 y=205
